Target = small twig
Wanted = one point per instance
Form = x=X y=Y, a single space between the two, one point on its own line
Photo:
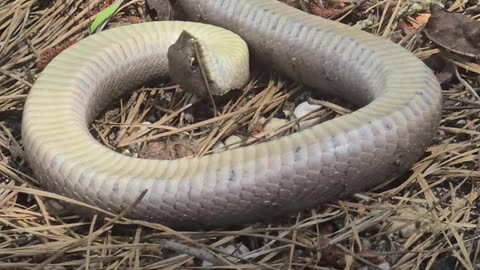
x=392 y=19
x=363 y=260
x=473 y=103
x=466 y=84
x=89 y=243
x=203 y=68
x=107 y=226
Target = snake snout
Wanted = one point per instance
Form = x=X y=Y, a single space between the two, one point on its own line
x=186 y=65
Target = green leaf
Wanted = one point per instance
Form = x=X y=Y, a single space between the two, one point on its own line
x=103 y=16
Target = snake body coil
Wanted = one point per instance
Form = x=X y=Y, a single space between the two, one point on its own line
x=399 y=96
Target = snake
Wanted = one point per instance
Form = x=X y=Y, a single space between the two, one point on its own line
x=398 y=97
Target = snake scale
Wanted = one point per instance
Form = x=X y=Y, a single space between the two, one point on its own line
x=399 y=111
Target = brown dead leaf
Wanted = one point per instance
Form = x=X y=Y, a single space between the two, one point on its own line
x=454 y=32
x=169 y=149
x=416 y=22
x=257 y=129
x=325 y=12
x=422 y=18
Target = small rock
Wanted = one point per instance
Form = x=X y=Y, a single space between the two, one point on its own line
x=366 y=243
x=274 y=124
x=287 y=113
x=381 y=245
x=232 y=141
x=189 y=118
x=112 y=136
x=152 y=118
x=384 y=266
x=262 y=120
x=235 y=250
x=55 y=207
x=144 y=126
x=458 y=202
x=408 y=231
x=409 y=221
x=461 y=122
x=218 y=147
x=303 y=109
x=135 y=148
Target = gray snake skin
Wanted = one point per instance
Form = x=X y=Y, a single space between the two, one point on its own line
x=399 y=96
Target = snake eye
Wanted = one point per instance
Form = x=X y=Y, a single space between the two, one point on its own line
x=193 y=63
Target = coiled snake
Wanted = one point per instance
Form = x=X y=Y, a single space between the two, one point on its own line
x=399 y=96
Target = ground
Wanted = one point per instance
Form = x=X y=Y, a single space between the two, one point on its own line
x=426 y=219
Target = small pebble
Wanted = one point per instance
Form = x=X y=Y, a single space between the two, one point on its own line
x=55 y=207
x=218 y=147
x=112 y=136
x=232 y=141
x=303 y=109
x=384 y=266
x=144 y=126
x=274 y=124
x=235 y=250
x=262 y=120
x=458 y=202
x=408 y=231
x=287 y=113
x=189 y=118
x=461 y=122
x=410 y=221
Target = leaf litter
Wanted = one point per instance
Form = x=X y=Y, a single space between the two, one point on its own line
x=454 y=31
x=426 y=219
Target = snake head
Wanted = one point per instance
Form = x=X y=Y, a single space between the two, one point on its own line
x=188 y=66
